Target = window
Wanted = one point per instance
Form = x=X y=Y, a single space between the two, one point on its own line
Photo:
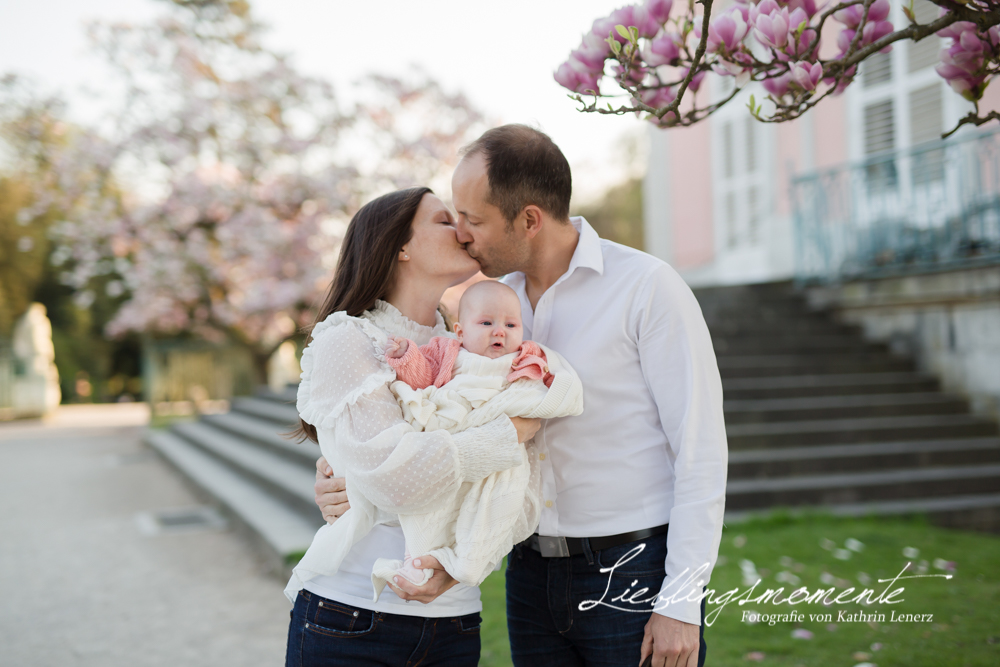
x=739 y=186
x=923 y=54
x=880 y=137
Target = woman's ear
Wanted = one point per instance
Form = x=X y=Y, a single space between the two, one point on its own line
x=403 y=257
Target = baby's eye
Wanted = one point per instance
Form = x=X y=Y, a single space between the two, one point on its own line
x=487 y=323
x=512 y=326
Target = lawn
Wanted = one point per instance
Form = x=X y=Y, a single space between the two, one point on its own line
x=821 y=552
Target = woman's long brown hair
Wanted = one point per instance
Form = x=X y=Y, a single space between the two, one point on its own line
x=366 y=269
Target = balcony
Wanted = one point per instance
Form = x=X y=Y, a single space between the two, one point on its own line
x=930 y=207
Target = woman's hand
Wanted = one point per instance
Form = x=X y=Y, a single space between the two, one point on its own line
x=526 y=428
x=331 y=492
x=439 y=582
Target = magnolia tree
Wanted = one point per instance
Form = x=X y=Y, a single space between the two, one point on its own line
x=213 y=197
x=657 y=53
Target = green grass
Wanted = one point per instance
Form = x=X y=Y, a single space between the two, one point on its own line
x=965 y=630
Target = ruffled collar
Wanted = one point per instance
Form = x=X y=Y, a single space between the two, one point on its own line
x=387 y=317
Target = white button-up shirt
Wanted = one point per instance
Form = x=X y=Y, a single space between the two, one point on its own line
x=650 y=446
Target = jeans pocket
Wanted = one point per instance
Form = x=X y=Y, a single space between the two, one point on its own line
x=470 y=624
x=340 y=620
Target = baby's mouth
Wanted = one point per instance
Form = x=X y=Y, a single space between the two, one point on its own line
x=497 y=346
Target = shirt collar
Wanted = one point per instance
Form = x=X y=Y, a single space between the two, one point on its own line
x=588 y=254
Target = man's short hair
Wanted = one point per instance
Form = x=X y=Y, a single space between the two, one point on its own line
x=524 y=166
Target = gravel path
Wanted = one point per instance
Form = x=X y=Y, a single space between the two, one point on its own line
x=80 y=582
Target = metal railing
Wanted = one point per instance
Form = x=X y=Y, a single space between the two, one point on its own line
x=933 y=206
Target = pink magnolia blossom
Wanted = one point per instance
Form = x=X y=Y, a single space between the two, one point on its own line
x=659 y=10
x=663 y=50
x=806 y=76
x=772 y=29
x=778 y=86
x=658 y=97
x=569 y=76
x=851 y=17
x=727 y=31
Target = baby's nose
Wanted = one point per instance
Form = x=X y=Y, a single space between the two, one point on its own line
x=499 y=332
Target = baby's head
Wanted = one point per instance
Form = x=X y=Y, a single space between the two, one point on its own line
x=489 y=320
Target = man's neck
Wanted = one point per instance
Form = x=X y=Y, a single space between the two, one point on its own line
x=555 y=247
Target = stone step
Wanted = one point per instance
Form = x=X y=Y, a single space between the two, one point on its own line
x=789 y=461
x=262 y=432
x=282 y=530
x=771 y=365
x=796 y=386
x=842 y=407
x=286 y=395
x=280 y=477
x=777 y=343
x=972 y=512
x=283 y=414
x=858 y=487
x=869 y=429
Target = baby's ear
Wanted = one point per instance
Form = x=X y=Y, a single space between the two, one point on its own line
x=457 y=328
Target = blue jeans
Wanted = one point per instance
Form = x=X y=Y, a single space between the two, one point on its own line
x=545 y=622
x=329 y=633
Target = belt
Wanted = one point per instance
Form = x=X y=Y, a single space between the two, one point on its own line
x=554 y=547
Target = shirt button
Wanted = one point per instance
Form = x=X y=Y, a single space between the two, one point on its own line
x=548 y=503
x=541 y=457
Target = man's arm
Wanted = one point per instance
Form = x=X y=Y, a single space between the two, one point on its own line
x=681 y=372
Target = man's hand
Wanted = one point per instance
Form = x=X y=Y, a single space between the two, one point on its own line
x=439 y=582
x=396 y=347
x=331 y=492
x=670 y=643
x=526 y=428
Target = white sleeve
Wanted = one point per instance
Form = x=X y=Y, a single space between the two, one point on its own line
x=344 y=393
x=681 y=372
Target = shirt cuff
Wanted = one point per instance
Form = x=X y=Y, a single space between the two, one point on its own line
x=487 y=449
x=680 y=601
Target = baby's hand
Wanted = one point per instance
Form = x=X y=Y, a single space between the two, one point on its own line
x=396 y=348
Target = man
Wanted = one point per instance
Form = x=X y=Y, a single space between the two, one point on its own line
x=633 y=489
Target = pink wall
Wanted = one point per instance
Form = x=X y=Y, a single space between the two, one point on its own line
x=787 y=161
x=991 y=100
x=691 y=195
x=829 y=122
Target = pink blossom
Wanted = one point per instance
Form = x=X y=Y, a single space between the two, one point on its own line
x=808 y=6
x=806 y=76
x=726 y=31
x=772 y=29
x=763 y=8
x=591 y=59
x=570 y=77
x=658 y=97
x=778 y=86
x=659 y=10
x=851 y=17
x=663 y=50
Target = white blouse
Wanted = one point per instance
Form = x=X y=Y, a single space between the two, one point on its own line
x=345 y=394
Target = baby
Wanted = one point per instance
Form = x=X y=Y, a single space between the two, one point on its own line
x=456 y=384
x=489 y=324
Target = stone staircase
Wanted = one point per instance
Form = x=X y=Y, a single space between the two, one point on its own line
x=240 y=460
x=816 y=416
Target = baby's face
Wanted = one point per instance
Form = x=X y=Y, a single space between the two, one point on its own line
x=490 y=324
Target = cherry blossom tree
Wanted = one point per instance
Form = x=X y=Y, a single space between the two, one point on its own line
x=658 y=53
x=213 y=195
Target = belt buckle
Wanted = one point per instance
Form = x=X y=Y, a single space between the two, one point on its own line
x=553 y=547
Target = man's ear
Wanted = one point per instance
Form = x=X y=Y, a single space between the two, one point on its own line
x=532 y=220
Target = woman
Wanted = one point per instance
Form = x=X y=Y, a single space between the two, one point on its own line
x=399 y=255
